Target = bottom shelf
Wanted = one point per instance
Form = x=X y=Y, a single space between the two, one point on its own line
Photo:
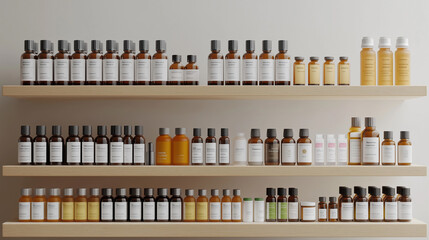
x=414 y=228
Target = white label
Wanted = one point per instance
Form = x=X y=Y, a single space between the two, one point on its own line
x=24 y=211
x=40 y=152
x=192 y=75
x=405 y=211
x=256 y=153
x=24 y=152
x=101 y=153
x=139 y=153
x=106 y=211
x=342 y=152
x=56 y=152
x=128 y=153
x=87 y=152
x=224 y=153
x=44 y=69
x=142 y=69
x=309 y=213
x=333 y=213
x=248 y=211
x=94 y=69
x=232 y=69
x=126 y=69
x=37 y=210
x=176 y=211
x=288 y=152
x=361 y=210
x=355 y=150
x=162 y=211
x=211 y=153
x=236 y=211
x=331 y=153
x=405 y=154
x=78 y=69
x=176 y=75
x=135 y=211
x=388 y=153
x=159 y=70
x=259 y=211
x=53 y=211
x=149 y=211
x=319 y=152
x=304 y=153
x=62 y=69
x=117 y=152
x=197 y=153
x=293 y=212
x=250 y=69
x=347 y=211
x=282 y=69
x=121 y=210
x=391 y=210
x=266 y=69
x=322 y=213
x=73 y=152
x=370 y=150
x=28 y=69
x=214 y=211
x=110 y=69
x=215 y=70
x=376 y=210
x=226 y=210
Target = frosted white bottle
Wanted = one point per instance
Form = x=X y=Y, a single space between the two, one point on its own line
x=331 y=150
x=240 y=150
x=319 y=150
x=342 y=149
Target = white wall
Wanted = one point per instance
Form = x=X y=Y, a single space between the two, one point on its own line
x=313 y=28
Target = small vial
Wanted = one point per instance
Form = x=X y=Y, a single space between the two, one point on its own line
x=215 y=64
x=62 y=64
x=175 y=205
x=121 y=205
x=67 y=206
x=333 y=209
x=305 y=154
x=224 y=147
x=175 y=73
x=78 y=64
x=299 y=71
x=40 y=146
x=329 y=72
x=226 y=206
x=255 y=148
x=143 y=59
x=106 y=208
x=405 y=149
x=116 y=146
x=53 y=209
x=388 y=149
x=73 y=148
x=236 y=208
x=197 y=148
x=192 y=72
x=266 y=64
x=215 y=206
x=81 y=206
x=87 y=146
x=319 y=150
x=127 y=64
x=159 y=68
x=344 y=72
x=111 y=64
x=288 y=148
x=101 y=146
x=28 y=63
x=211 y=148
x=162 y=205
x=250 y=64
x=45 y=62
x=25 y=146
x=232 y=64
x=38 y=205
x=314 y=72
x=189 y=206
x=283 y=64
x=24 y=214
x=94 y=64
x=139 y=146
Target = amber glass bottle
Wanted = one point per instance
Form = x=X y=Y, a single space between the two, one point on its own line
x=266 y=64
x=232 y=64
x=176 y=205
x=106 y=208
x=271 y=205
x=405 y=152
x=127 y=64
x=40 y=146
x=329 y=71
x=73 y=146
x=215 y=65
x=25 y=146
x=53 y=211
x=405 y=213
x=299 y=71
x=224 y=147
x=293 y=205
x=215 y=206
x=226 y=206
x=94 y=69
x=282 y=205
x=45 y=64
x=159 y=64
x=211 y=148
x=304 y=148
x=390 y=206
x=333 y=209
x=388 y=149
x=116 y=149
x=314 y=72
x=94 y=205
x=283 y=64
x=25 y=205
x=38 y=206
x=202 y=206
x=81 y=206
x=111 y=64
x=62 y=64
x=375 y=206
x=128 y=145
x=87 y=145
x=175 y=73
x=78 y=64
x=163 y=147
x=180 y=148
x=101 y=146
x=135 y=205
x=28 y=63
x=67 y=206
x=148 y=205
x=323 y=209
x=197 y=144
x=56 y=146
x=343 y=71
x=121 y=205
x=402 y=62
x=250 y=64
x=255 y=148
x=139 y=146
x=272 y=148
x=236 y=209
x=346 y=206
x=143 y=59
x=191 y=72
x=189 y=206
x=361 y=206
x=288 y=152
x=370 y=143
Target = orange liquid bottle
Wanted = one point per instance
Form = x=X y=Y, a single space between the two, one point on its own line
x=163 y=147
x=53 y=205
x=25 y=205
x=180 y=148
x=38 y=206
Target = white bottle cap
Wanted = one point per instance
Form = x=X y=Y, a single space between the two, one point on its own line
x=319 y=136
x=367 y=42
x=402 y=42
x=384 y=42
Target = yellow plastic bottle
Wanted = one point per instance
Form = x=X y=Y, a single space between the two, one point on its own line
x=163 y=147
x=180 y=148
x=367 y=62
x=385 y=62
x=402 y=62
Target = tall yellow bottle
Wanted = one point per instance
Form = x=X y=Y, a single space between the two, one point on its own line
x=402 y=62
x=385 y=62
x=368 y=62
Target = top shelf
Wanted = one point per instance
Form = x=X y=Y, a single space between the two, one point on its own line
x=216 y=92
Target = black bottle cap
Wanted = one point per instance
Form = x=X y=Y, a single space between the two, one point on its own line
x=128 y=130
x=197 y=132
x=250 y=45
x=348 y=191
x=79 y=45
x=73 y=130
x=399 y=189
x=344 y=58
x=293 y=191
x=282 y=191
x=138 y=130
x=388 y=135
x=56 y=130
x=322 y=199
x=314 y=58
x=384 y=189
x=271 y=191
x=161 y=45
x=162 y=191
x=148 y=191
x=101 y=130
x=106 y=191
x=299 y=58
x=41 y=130
x=283 y=45
x=371 y=189
x=175 y=191
x=376 y=192
x=164 y=131
x=28 y=45
x=304 y=133
x=341 y=189
x=121 y=192
x=87 y=130
x=329 y=58
x=332 y=199
x=224 y=132
x=390 y=191
x=111 y=45
x=189 y=192
x=356 y=189
x=143 y=45
x=215 y=45
x=267 y=45
x=135 y=191
x=176 y=58
x=25 y=130
x=115 y=130
x=192 y=58
x=211 y=132
x=355 y=122
x=369 y=122
x=128 y=45
x=202 y=192
x=236 y=192
x=405 y=134
x=63 y=45
x=271 y=132
x=95 y=45
x=362 y=192
x=232 y=45
x=255 y=133
x=287 y=133
x=214 y=192
x=45 y=45
x=180 y=131
x=406 y=192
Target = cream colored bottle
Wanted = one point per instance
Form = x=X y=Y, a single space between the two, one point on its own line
x=385 y=62
x=402 y=62
x=368 y=62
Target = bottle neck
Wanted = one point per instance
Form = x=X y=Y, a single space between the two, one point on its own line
x=143 y=51
x=250 y=51
x=232 y=51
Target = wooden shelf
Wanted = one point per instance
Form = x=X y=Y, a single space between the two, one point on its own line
x=216 y=92
x=210 y=171
x=414 y=228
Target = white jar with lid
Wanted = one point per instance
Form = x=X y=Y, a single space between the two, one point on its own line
x=308 y=211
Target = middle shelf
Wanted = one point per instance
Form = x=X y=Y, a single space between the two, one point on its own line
x=210 y=171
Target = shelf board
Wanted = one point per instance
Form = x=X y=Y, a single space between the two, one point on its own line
x=216 y=92
x=414 y=228
x=210 y=171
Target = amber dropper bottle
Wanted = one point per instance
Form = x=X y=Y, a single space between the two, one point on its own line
x=38 y=205
x=215 y=65
x=143 y=64
x=250 y=64
x=62 y=64
x=127 y=64
x=78 y=64
x=28 y=63
x=232 y=64
x=282 y=64
x=45 y=64
x=111 y=64
x=56 y=147
x=25 y=146
x=191 y=72
x=94 y=69
x=175 y=73
x=159 y=64
x=266 y=64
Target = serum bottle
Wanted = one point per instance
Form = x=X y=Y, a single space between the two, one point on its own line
x=288 y=148
x=143 y=59
x=127 y=64
x=25 y=146
x=211 y=148
x=305 y=154
x=329 y=72
x=40 y=146
x=283 y=64
x=111 y=64
x=405 y=149
x=56 y=147
x=232 y=64
x=28 y=63
x=370 y=143
x=128 y=145
x=314 y=72
x=255 y=148
x=250 y=64
x=45 y=61
x=272 y=148
x=116 y=146
x=266 y=64
x=299 y=71
x=159 y=68
x=355 y=142
x=101 y=146
x=224 y=147
x=197 y=148
x=388 y=149
x=62 y=64
x=73 y=146
x=175 y=73
x=215 y=65
x=94 y=64
x=344 y=72
x=78 y=64
x=192 y=74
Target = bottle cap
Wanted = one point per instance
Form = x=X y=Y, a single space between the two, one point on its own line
x=68 y=191
x=101 y=130
x=135 y=191
x=348 y=191
x=362 y=192
x=405 y=192
x=248 y=199
x=215 y=192
x=63 y=45
x=367 y=42
x=250 y=45
x=293 y=191
x=384 y=42
x=384 y=189
x=282 y=191
x=189 y=192
x=45 y=45
x=332 y=199
x=180 y=131
x=369 y=122
x=40 y=191
x=376 y=192
x=95 y=45
x=116 y=130
x=399 y=189
x=215 y=45
x=26 y=191
x=341 y=189
x=355 y=122
x=56 y=130
x=356 y=189
x=271 y=133
x=197 y=132
x=322 y=199
x=106 y=191
x=54 y=192
x=138 y=130
x=304 y=133
x=202 y=192
x=51 y=46
x=402 y=42
x=232 y=45
x=283 y=45
x=144 y=45
x=73 y=130
x=405 y=134
x=226 y=192
x=329 y=58
x=25 y=130
x=267 y=45
x=192 y=58
x=371 y=189
x=175 y=191
x=344 y=58
x=128 y=45
x=28 y=45
x=162 y=191
x=82 y=192
x=164 y=131
x=121 y=191
x=388 y=135
x=85 y=47
x=255 y=133
x=299 y=58
x=314 y=58
x=287 y=133
x=79 y=45
x=259 y=199
x=87 y=130
x=94 y=191
x=111 y=45
x=148 y=191
x=128 y=131
x=176 y=58
x=41 y=130
x=390 y=191
x=161 y=45
x=224 y=132
x=116 y=46
x=236 y=192
x=211 y=132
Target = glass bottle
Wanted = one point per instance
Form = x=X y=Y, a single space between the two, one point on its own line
x=94 y=205
x=323 y=208
x=73 y=149
x=288 y=153
x=24 y=205
x=405 y=149
x=28 y=64
x=202 y=206
x=355 y=142
x=111 y=64
x=135 y=205
x=53 y=209
x=370 y=143
x=25 y=146
x=127 y=64
x=121 y=205
x=87 y=146
x=45 y=62
x=211 y=148
x=305 y=148
x=240 y=150
x=367 y=62
x=250 y=64
x=62 y=64
x=343 y=72
x=224 y=147
x=40 y=146
x=236 y=206
x=375 y=206
x=78 y=64
x=175 y=205
x=271 y=208
x=272 y=148
x=139 y=146
x=314 y=72
x=226 y=206
x=283 y=64
x=299 y=71
x=192 y=72
x=361 y=206
x=176 y=71
x=38 y=205
x=128 y=145
x=81 y=206
x=388 y=151
x=180 y=148
x=197 y=144
x=232 y=64
x=149 y=208
x=293 y=205
x=402 y=62
x=116 y=151
x=101 y=146
x=266 y=64
x=346 y=206
x=162 y=205
x=333 y=209
x=94 y=64
x=143 y=59
x=163 y=147
x=67 y=206
x=215 y=64
x=159 y=64
x=390 y=206
x=405 y=206
x=329 y=71
x=385 y=62
x=106 y=208
x=189 y=206
x=255 y=146
x=215 y=206
x=282 y=205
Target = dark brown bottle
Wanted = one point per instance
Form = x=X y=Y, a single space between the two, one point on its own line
x=390 y=206
x=375 y=206
x=73 y=146
x=111 y=64
x=45 y=73
x=215 y=65
x=175 y=73
x=271 y=203
x=191 y=72
x=250 y=64
x=333 y=209
x=128 y=146
x=106 y=205
x=121 y=205
x=87 y=146
x=288 y=152
x=293 y=205
x=62 y=64
x=101 y=146
x=224 y=147
x=159 y=64
x=127 y=64
x=266 y=64
x=139 y=143
x=135 y=205
x=143 y=64
x=304 y=147
x=197 y=142
x=116 y=146
x=211 y=158
x=176 y=205
x=162 y=205
x=346 y=206
x=149 y=206
x=272 y=148
x=405 y=206
x=25 y=146
x=361 y=206
x=283 y=64
x=78 y=64
x=28 y=63
x=282 y=205
x=40 y=146
x=323 y=209
x=94 y=64
x=232 y=64
x=56 y=147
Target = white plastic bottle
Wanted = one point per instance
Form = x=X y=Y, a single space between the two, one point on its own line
x=240 y=150
x=319 y=150
x=331 y=150
x=342 y=150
